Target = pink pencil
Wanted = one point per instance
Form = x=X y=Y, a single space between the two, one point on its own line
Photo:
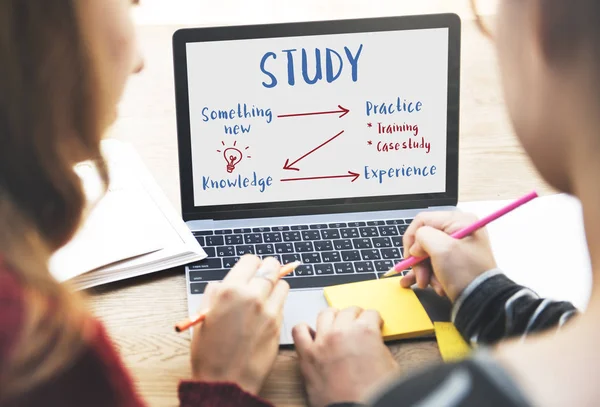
x=411 y=261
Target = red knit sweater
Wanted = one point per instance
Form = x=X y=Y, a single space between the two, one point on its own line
x=98 y=377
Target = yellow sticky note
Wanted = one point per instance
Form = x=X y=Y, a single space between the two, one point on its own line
x=402 y=313
x=451 y=343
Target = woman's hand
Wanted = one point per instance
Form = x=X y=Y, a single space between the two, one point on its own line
x=239 y=339
x=453 y=263
x=346 y=357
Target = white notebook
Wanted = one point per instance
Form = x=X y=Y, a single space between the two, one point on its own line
x=133 y=230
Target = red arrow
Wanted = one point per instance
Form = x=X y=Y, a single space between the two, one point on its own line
x=288 y=164
x=351 y=174
x=341 y=110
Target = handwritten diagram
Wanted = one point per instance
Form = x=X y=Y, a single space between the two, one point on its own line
x=233 y=155
x=320 y=117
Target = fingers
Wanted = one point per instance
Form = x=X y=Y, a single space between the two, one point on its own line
x=408 y=280
x=372 y=318
x=346 y=316
x=276 y=301
x=302 y=339
x=243 y=270
x=448 y=222
x=208 y=296
x=437 y=286
x=266 y=277
x=433 y=241
x=325 y=320
x=422 y=275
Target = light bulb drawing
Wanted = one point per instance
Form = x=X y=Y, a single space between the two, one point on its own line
x=233 y=156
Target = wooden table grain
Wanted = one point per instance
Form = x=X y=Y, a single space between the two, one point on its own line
x=140 y=313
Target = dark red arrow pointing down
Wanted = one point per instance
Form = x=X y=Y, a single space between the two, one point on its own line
x=288 y=164
x=350 y=174
x=341 y=110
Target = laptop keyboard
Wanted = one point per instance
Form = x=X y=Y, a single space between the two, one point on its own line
x=334 y=253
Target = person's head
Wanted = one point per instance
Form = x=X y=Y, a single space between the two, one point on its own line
x=64 y=64
x=549 y=55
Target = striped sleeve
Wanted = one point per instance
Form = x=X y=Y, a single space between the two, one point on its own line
x=493 y=307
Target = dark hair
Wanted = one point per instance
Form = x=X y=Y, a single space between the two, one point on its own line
x=50 y=119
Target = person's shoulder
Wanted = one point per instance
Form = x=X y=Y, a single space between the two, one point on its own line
x=12 y=308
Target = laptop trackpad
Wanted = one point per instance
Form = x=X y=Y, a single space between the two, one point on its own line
x=301 y=307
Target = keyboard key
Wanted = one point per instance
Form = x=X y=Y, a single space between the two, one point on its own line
x=244 y=230
x=330 y=234
x=369 y=232
x=223 y=232
x=291 y=236
x=337 y=225
x=331 y=257
x=350 y=255
x=371 y=254
x=362 y=243
x=224 y=251
x=208 y=275
x=375 y=223
x=302 y=247
x=395 y=222
x=198 y=288
x=344 y=244
x=284 y=248
x=323 y=245
x=311 y=235
x=311 y=258
x=318 y=226
x=364 y=267
x=343 y=268
x=253 y=238
x=356 y=224
x=328 y=280
x=261 y=230
x=299 y=227
x=392 y=253
x=383 y=265
x=234 y=239
x=214 y=263
x=408 y=221
x=290 y=258
x=210 y=251
x=229 y=262
x=280 y=228
x=215 y=241
x=203 y=233
x=264 y=249
x=200 y=240
x=379 y=242
x=321 y=269
x=304 y=270
x=273 y=237
x=349 y=233
x=244 y=249
x=402 y=228
x=388 y=231
x=397 y=241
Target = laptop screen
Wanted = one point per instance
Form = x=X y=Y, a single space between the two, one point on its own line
x=318 y=117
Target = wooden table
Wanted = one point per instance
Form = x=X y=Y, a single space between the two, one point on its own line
x=140 y=313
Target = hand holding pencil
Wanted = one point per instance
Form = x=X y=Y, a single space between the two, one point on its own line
x=450 y=248
x=239 y=338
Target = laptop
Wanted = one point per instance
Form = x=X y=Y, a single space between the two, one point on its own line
x=316 y=141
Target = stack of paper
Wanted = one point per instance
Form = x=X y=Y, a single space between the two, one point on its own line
x=133 y=230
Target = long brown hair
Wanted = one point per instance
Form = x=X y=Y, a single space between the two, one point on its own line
x=50 y=119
